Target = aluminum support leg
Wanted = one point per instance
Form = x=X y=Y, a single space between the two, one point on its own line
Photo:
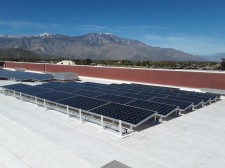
x=102 y=123
x=45 y=104
x=155 y=118
x=80 y=113
x=67 y=111
x=120 y=127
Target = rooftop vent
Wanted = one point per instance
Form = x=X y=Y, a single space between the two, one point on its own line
x=115 y=164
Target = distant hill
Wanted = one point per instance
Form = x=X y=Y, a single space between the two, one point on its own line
x=94 y=46
x=215 y=57
x=19 y=54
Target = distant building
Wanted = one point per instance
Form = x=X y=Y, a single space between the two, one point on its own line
x=66 y=62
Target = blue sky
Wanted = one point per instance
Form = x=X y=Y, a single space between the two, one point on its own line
x=193 y=26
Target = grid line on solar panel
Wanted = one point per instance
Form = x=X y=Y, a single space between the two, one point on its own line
x=170 y=92
x=87 y=93
x=51 y=85
x=89 y=88
x=97 y=85
x=108 y=91
x=183 y=105
x=137 y=96
x=153 y=94
x=80 y=102
x=124 y=113
x=160 y=108
x=115 y=99
x=65 y=89
x=152 y=87
x=127 y=90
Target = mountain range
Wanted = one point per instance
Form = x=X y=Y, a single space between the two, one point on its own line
x=94 y=46
x=215 y=57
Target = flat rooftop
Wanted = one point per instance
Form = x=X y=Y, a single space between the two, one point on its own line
x=32 y=137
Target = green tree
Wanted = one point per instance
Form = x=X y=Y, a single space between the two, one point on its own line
x=222 y=64
x=88 y=61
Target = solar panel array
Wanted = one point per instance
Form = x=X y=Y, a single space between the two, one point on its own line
x=24 y=76
x=131 y=103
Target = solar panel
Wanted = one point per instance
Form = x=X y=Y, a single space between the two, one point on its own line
x=205 y=96
x=125 y=113
x=65 y=89
x=16 y=87
x=97 y=85
x=33 y=90
x=127 y=90
x=51 y=85
x=183 y=105
x=137 y=96
x=87 y=93
x=81 y=102
x=54 y=96
x=193 y=96
x=195 y=101
x=153 y=94
x=88 y=88
x=161 y=109
x=170 y=92
x=214 y=96
x=108 y=91
x=18 y=75
x=115 y=99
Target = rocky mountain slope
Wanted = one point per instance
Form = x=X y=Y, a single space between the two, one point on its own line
x=94 y=46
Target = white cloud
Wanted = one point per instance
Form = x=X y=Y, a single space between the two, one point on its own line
x=90 y=27
x=201 y=45
x=17 y=24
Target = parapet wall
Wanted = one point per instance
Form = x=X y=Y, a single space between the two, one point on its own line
x=25 y=65
x=212 y=80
